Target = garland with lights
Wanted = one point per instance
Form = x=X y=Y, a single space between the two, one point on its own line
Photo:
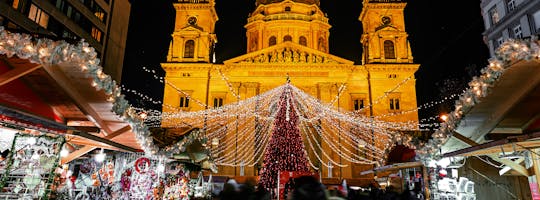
x=509 y=53
x=49 y=52
x=286 y=149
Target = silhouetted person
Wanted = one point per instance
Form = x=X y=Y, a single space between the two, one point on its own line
x=228 y=192
x=308 y=188
x=260 y=193
x=246 y=190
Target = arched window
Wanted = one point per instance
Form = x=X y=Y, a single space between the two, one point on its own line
x=389 y=52
x=189 y=49
x=302 y=40
x=272 y=41
x=287 y=38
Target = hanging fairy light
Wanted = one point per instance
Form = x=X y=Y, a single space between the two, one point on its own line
x=64 y=153
x=32 y=141
x=100 y=157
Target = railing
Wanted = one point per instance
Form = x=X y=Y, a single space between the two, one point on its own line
x=289 y=16
x=386 y=1
x=193 y=1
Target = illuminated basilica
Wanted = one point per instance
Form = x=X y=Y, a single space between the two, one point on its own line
x=289 y=38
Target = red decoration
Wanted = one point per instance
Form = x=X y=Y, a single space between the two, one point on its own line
x=142 y=165
x=126 y=180
x=286 y=149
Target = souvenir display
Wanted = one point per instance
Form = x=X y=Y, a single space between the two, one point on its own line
x=30 y=167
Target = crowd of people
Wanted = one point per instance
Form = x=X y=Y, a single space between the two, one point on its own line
x=309 y=188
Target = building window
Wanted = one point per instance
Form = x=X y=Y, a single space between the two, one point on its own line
x=394 y=101
x=272 y=41
x=394 y=104
x=500 y=41
x=494 y=15
x=218 y=102
x=287 y=9
x=392 y=75
x=96 y=34
x=189 y=49
x=389 y=52
x=517 y=32
x=358 y=104
x=37 y=15
x=287 y=38
x=302 y=40
x=511 y=5
x=15 y=4
x=100 y=15
x=184 y=102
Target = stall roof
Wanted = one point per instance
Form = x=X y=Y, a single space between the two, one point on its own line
x=510 y=109
x=81 y=112
x=510 y=144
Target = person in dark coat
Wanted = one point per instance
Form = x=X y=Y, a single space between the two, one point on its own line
x=308 y=188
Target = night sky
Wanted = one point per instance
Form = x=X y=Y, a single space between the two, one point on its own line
x=445 y=36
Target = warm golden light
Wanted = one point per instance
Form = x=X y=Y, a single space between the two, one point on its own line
x=444 y=117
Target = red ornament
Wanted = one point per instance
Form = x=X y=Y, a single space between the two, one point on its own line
x=142 y=165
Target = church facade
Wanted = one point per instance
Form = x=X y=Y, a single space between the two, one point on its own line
x=289 y=38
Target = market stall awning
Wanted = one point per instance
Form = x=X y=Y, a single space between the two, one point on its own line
x=510 y=109
x=62 y=99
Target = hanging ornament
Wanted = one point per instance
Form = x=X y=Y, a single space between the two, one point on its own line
x=142 y=165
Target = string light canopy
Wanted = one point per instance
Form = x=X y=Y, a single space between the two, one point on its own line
x=246 y=126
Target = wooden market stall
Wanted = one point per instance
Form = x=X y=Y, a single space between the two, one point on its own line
x=503 y=127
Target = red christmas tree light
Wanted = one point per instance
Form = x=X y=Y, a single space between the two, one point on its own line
x=286 y=149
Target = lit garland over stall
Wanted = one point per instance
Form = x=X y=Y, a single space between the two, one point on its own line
x=509 y=52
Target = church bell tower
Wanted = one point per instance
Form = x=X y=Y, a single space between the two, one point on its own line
x=384 y=38
x=194 y=36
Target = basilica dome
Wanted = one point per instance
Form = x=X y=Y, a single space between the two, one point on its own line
x=259 y=2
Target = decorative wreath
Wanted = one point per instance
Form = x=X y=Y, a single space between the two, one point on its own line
x=142 y=165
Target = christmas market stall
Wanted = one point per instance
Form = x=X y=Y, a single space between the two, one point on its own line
x=68 y=132
x=488 y=147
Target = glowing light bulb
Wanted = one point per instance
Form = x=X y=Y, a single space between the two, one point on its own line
x=143 y=115
x=100 y=157
x=444 y=117
x=64 y=153
x=161 y=168
x=32 y=141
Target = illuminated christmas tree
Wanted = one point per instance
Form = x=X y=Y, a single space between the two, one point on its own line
x=286 y=149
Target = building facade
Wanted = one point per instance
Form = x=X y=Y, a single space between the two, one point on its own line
x=101 y=23
x=290 y=38
x=505 y=19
